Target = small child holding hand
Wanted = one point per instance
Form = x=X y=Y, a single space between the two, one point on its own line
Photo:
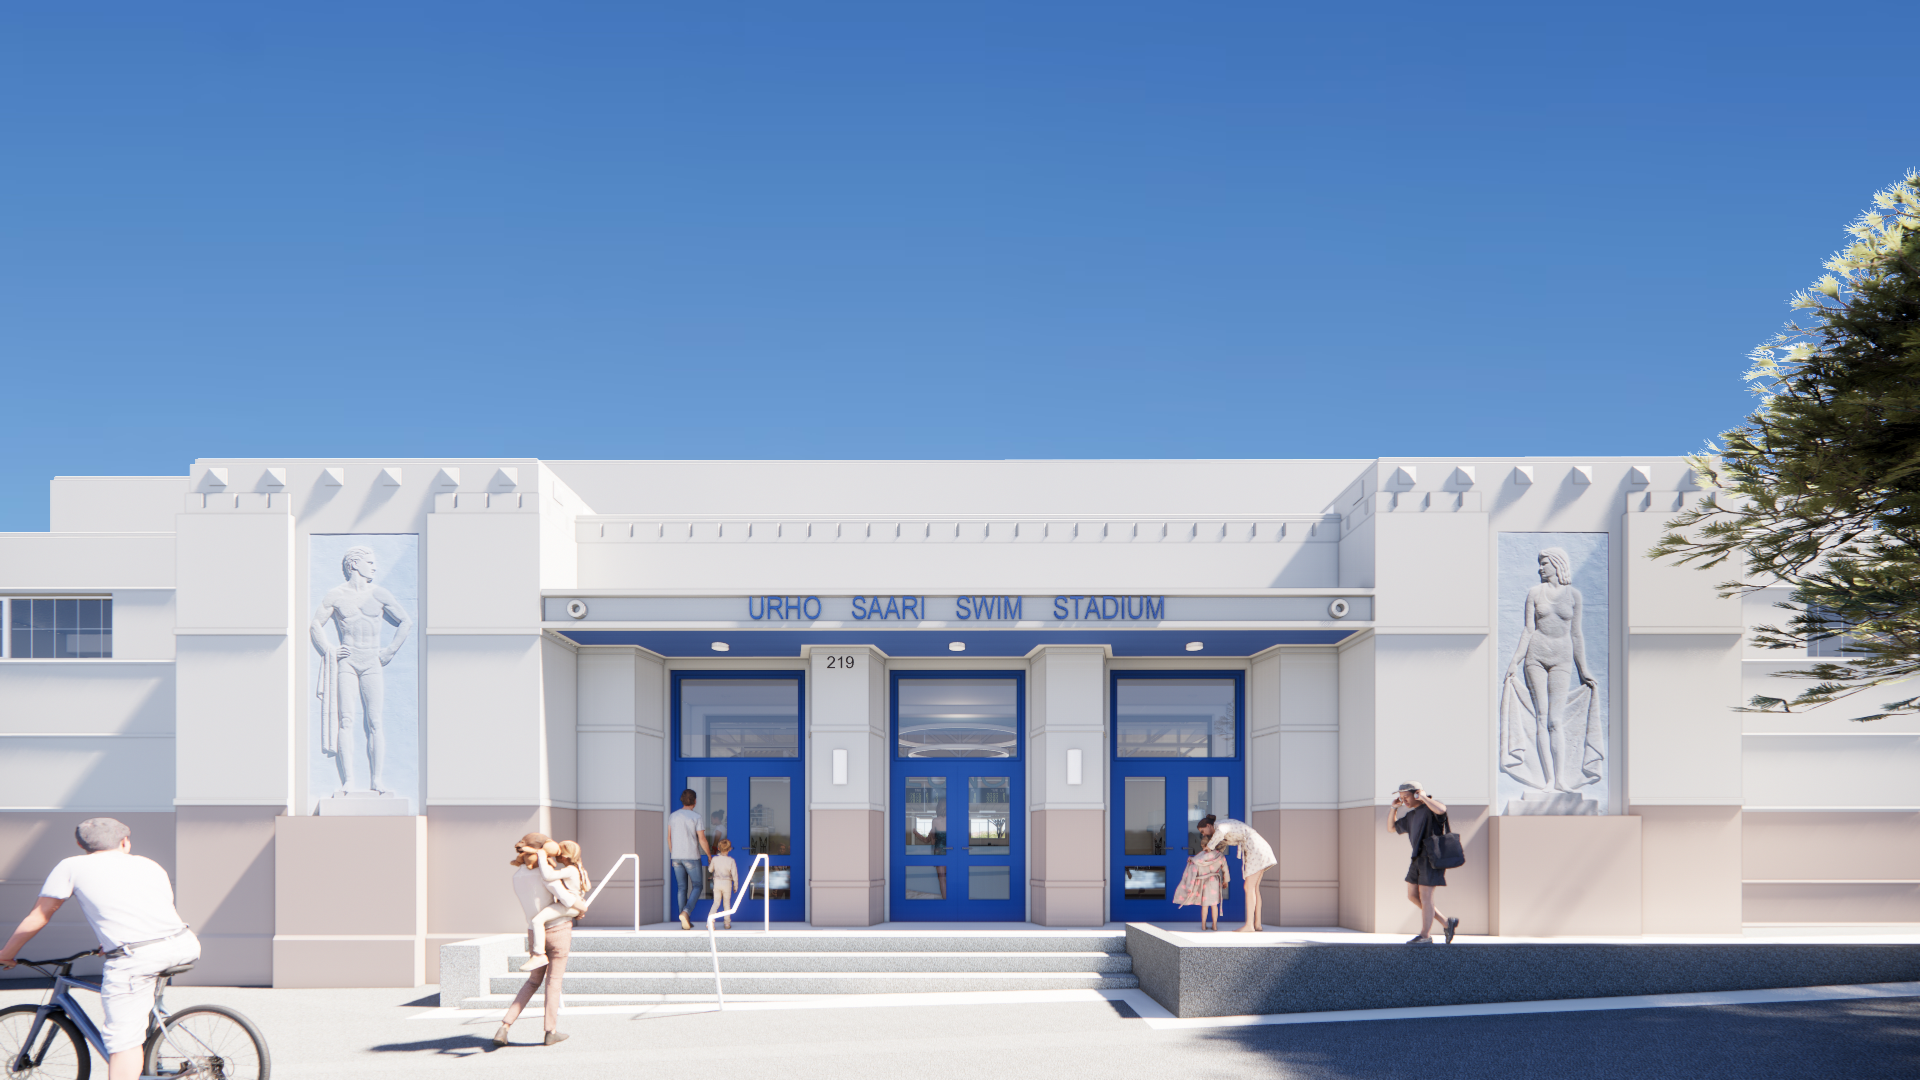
x=566 y=879
x=726 y=876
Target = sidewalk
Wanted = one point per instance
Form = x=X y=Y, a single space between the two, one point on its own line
x=379 y=1034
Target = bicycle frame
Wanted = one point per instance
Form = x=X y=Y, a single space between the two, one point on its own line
x=63 y=1001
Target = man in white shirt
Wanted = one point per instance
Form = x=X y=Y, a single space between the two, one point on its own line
x=128 y=902
x=686 y=845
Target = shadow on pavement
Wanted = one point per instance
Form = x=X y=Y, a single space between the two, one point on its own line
x=1859 y=1040
x=451 y=1046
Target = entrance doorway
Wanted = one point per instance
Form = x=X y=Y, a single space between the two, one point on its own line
x=1176 y=758
x=958 y=786
x=737 y=748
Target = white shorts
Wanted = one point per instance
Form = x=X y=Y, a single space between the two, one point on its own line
x=128 y=985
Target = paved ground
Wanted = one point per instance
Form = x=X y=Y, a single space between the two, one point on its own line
x=376 y=1033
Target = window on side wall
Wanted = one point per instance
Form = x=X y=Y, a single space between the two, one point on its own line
x=1833 y=646
x=59 y=627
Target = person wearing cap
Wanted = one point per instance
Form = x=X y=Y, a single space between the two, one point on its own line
x=128 y=902
x=531 y=890
x=1419 y=815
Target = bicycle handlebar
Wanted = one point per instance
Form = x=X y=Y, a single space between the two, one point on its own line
x=38 y=964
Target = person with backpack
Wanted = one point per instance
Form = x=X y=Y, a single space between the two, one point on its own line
x=1422 y=817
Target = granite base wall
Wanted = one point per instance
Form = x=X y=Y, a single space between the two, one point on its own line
x=1224 y=980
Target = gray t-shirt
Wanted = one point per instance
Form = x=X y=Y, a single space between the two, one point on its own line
x=683 y=832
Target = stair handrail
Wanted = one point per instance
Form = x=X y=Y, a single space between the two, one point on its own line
x=608 y=876
x=740 y=897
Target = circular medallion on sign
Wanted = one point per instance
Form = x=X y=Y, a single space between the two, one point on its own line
x=1338 y=609
x=576 y=609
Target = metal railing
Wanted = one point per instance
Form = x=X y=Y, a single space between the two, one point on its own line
x=740 y=897
x=760 y=863
x=608 y=876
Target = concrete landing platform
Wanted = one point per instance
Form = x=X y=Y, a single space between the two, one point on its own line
x=1194 y=974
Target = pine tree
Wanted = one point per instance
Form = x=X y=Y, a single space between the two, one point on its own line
x=1819 y=488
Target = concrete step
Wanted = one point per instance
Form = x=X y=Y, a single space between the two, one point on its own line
x=733 y=962
x=613 y=989
x=751 y=939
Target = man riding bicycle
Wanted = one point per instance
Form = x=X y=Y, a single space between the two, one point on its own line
x=128 y=902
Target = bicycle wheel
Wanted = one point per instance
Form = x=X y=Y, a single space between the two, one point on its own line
x=58 y=1054
x=207 y=1042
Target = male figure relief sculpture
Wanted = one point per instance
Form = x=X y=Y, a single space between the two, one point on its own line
x=1557 y=744
x=354 y=668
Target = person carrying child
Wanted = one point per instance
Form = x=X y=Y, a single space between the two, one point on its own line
x=566 y=882
x=531 y=889
x=1204 y=883
x=726 y=876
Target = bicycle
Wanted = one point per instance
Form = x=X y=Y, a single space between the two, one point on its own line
x=200 y=1042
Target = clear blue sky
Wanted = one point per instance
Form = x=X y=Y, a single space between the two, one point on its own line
x=912 y=230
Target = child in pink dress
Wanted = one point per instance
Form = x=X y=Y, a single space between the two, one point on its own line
x=1204 y=883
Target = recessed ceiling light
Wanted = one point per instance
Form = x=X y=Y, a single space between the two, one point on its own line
x=721 y=646
x=956 y=646
x=1196 y=646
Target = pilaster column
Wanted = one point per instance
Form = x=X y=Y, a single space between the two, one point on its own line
x=622 y=777
x=847 y=758
x=234 y=722
x=1298 y=692
x=1068 y=720
x=499 y=719
x=1684 y=764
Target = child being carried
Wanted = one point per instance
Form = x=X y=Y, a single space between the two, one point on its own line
x=566 y=880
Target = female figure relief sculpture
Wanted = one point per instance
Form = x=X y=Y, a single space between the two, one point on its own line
x=1552 y=738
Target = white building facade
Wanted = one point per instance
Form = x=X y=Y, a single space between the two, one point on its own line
x=935 y=691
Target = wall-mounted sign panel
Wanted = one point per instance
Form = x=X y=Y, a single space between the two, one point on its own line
x=896 y=610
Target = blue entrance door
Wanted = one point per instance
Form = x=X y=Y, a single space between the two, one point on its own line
x=737 y=748
x=1176 y=759
x=959 y=836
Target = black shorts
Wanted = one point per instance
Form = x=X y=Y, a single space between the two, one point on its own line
x=1419 y=873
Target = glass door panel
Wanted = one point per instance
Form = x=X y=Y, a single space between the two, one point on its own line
x=1145 y=873
x=926 y=882
x=958 y=848
x=770 y=830
x=989 y=817
x=924 y=814
x=710 y=802
x=1205 y=795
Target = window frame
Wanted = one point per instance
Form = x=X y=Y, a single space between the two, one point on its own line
x=800 y=716
x=1019 y=679
x=1239 y=679
x=7 y=602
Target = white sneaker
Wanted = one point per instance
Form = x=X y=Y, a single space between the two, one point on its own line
x=534 y=963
